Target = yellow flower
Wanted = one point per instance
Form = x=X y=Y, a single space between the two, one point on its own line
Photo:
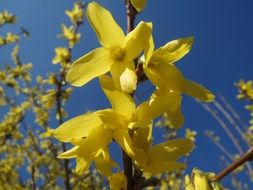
x=76 y=14
x=190 y=134
x=139 y=4
x=6 y=17
x=2 y=41
x=161 y=157
x=62 y=55
x=118 y=181
x=101 y=158
x=70 y=35
x=104 y=125
x=10 y=38
x=188 y=183
x=159 y=67
x=245 y=89
x=116 y=55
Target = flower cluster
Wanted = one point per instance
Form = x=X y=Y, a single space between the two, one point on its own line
x=201 y=181
x=126 y=123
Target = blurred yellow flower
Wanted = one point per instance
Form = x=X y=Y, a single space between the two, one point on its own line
x=70 y=35
x=10 y=38
x=118 y=181
x=62 y=55
x=76 y=14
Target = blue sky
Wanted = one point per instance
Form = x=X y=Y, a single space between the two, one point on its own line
x=221 y=54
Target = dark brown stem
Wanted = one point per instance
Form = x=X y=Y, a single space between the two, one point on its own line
x=248 y=156
x=128 y=170
x=131 y=13
x=33 y=178
x=59 y=112
x=127 y=161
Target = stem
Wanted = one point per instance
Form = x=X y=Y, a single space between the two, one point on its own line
x=127 y=161
x=131 y=13
x=59 y=112
x=33 y=178
x=128 y=170
x=248 y=156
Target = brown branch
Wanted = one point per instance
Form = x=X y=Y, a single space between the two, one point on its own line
x=127 y=161
x=33 y=178
x=248 y=156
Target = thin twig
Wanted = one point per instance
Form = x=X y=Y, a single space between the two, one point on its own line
x=229 y=133
x=248 y=156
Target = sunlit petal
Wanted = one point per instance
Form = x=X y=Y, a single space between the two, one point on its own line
x=197 y=91
x=124 y=140
x=174 y=50
x=163 y=166
x=139 y=4
x=137 y=39
x=77 y=127
x=89 y=66
x=108 y=31
x=170 y=150
x=121 y=102
x=124 y=76
x=69 y=153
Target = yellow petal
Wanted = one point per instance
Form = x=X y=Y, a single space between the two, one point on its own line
x=77 y=127
x=157 y=106
x=148 y=51
x=98 y=139
x=124 y=140
x=165 y=76
x=170 y=150
x=118 y=181
x=89 y=66
x=111 y=119
x=174 y=50
x=137 y=39
x=188 y=183
x=104 y=166
x=139 y=4
x=69 y=153
x=108 y=31
x=197 y=91
x=81 y=165
x=121 y=102
x=176 y=118
x=142 y=138
x=124 y=76
x=163 y=166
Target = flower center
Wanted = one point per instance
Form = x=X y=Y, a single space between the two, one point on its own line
x=117 y=53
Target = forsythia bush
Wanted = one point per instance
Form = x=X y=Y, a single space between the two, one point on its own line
x=28 y=142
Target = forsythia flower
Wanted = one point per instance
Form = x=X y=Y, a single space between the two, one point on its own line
x=245 y=89
x=139 y=4
x=70 y=35
x=189 y=134
x=10 y=38
x=2 y=42
x=62 y=55
x=118 y=181
x=116 y=55
x=6 y=17
x=161 y=157
x=76 y=14
x=201 y=181
x=160 y=69
x=105 y=125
